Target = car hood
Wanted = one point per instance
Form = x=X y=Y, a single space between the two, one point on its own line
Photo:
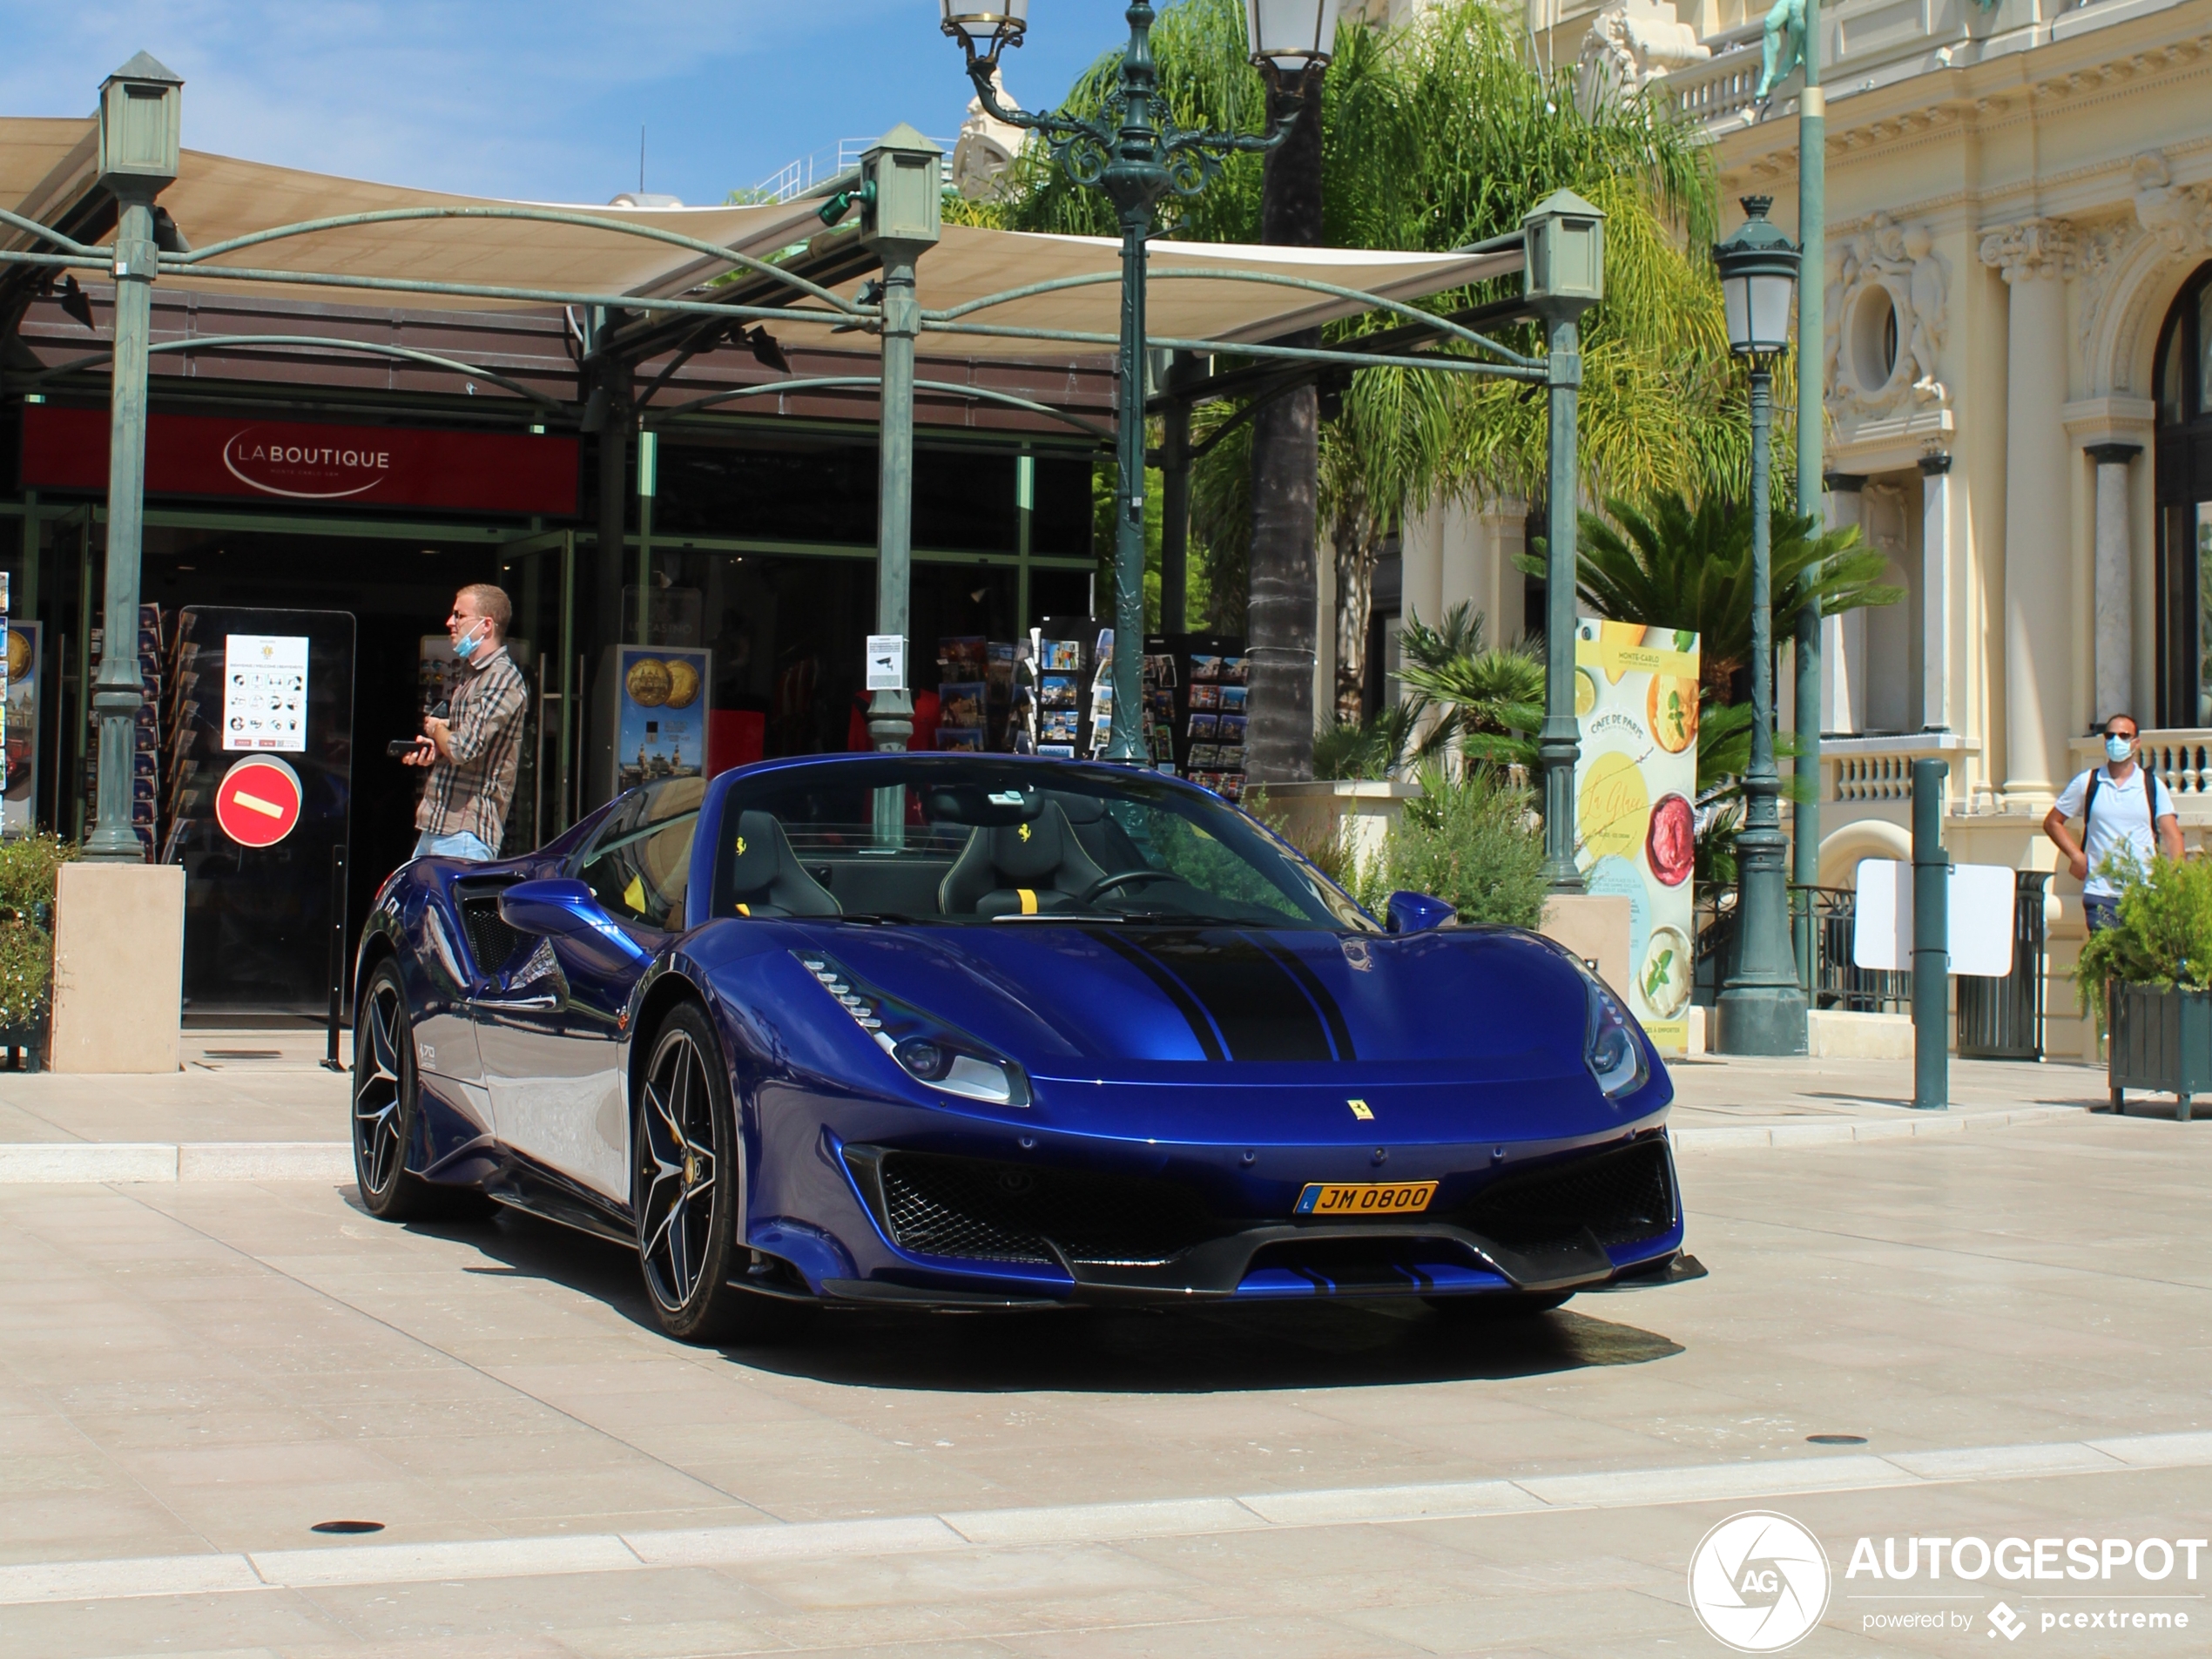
x=1117 y=1026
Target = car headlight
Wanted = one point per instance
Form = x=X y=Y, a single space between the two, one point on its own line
x=926 y=1049
x=1612 y=1047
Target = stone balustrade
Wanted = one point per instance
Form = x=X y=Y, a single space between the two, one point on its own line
x=1880 y=769
x=2181 y=755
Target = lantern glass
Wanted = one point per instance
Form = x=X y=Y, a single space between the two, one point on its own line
x=1292 y=34
x=982 y=24
x=1756 y=305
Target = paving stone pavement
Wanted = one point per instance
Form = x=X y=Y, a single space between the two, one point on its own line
x=193 y=1375
x=258 y=1105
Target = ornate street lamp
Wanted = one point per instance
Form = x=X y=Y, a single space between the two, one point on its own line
x=1761 y=1009
x=1133 y=152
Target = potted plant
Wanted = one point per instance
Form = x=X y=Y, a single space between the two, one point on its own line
x=28 y=865
x=2152 y=975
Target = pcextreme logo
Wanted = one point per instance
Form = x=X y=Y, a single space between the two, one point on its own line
x=1758 y=1582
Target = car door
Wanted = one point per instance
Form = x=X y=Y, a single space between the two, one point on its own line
x=549 y=1031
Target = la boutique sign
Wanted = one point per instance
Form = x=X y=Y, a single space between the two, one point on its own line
x=307 y=471
x=304 y=461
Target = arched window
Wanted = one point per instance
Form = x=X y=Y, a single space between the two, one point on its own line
x=2183 y=390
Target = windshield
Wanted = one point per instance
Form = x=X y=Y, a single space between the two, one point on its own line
x=993 y=843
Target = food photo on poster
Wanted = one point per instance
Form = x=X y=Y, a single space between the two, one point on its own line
x=1635 y=699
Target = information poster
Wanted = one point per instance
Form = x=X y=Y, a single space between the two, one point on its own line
x=662 y=731
x=265 y=691
x=1635 y=701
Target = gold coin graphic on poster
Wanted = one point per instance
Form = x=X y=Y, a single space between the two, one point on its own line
x=18 y=655
x=683 y=683
x=648 y=682
x=1672 y=705
x=1614 y=810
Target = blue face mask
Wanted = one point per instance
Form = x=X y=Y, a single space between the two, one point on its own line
x=2118 y=748
x=466 y=645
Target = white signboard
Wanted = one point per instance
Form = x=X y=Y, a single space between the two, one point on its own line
x=265 y=691
x=887 y=661
x=1980 y=922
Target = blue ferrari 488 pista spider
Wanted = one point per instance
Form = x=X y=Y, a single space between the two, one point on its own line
x=959 y=1031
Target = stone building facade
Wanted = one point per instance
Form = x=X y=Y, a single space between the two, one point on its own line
x=2018 y=306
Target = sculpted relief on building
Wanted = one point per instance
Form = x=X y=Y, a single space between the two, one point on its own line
x=1630 y=43
x=1887 y=315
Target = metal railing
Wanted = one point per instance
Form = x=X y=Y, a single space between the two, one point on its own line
x=1838 y=983
x=2002 y=1019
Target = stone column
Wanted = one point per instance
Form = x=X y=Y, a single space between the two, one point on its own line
x=1935 y=590
x=2115 y=634
x=1459 y=578
x=2035 y=257
x=1421 y=578
x=1844 y=638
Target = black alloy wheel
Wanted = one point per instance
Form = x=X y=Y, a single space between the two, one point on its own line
x=385 y=1101
x=690 y=1192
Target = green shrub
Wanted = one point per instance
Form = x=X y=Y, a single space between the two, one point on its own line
x=1475 y=842
x=28 y=868
x=2163 y=937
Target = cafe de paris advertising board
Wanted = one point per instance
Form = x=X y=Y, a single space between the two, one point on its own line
x=1636 y=702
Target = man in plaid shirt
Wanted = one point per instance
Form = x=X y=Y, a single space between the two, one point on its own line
x=473 y=752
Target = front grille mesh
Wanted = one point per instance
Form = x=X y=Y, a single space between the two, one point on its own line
x=491 y=941
x=1005 y=1212
x=1620 y=1196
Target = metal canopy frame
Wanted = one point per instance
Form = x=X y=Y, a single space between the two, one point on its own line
x=135 y=261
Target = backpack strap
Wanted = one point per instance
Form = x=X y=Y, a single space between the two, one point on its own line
x=2089 y=802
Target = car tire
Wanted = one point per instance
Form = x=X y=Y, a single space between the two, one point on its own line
x=688 y=1192
x=388 y=1104
x=1496 y=1308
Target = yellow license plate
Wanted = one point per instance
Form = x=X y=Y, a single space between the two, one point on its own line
x=1366 y=1198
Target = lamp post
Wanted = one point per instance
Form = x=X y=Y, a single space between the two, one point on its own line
x=1761 y=1009
x=1134 y=152
x=1564 y=277
x=140 y=134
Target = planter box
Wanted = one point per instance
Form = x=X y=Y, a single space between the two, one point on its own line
x=2161 y=1040
x=1356 y=816
x=28 y=1040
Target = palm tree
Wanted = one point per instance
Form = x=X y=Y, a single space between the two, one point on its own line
x=1435 y=135
x=1669 y=564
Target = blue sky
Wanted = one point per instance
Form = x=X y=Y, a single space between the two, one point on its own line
x=543 y=100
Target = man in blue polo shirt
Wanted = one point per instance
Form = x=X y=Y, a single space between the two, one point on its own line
x=2125 y=809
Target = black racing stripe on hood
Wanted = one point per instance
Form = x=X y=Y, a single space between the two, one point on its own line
x=1309 y=981
x=1170 y=987
x=1262 y=1012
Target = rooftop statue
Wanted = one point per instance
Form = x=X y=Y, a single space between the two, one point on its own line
x=1785 y=45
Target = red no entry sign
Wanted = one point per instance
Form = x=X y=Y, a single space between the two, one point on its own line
x=257 y=802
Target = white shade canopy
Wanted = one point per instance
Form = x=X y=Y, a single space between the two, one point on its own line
x=1292 y=34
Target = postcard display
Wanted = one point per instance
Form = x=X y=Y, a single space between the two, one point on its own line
x=145 y=770
x=1635 y=701
x=1064 y=696
x=272 y=688
x=1195 y=705
x=975 y=693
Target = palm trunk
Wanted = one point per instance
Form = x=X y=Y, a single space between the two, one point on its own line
x=1282 y=614
x=1358 y=547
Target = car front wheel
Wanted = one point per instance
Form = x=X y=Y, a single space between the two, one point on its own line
x=690 y=1192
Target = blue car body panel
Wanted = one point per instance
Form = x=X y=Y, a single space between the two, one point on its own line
x=1187 y=1084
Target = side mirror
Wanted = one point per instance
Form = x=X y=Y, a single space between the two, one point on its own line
x=562 y=907
x=1416 y=913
